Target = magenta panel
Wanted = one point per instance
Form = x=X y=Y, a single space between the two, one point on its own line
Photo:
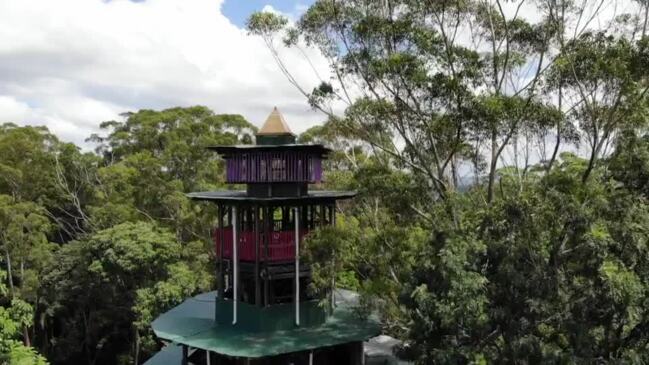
x=281 y=246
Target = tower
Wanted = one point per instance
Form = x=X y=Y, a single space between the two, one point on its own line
x=261 y=312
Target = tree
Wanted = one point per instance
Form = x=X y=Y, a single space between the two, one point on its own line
x=541 y=259
x=605 y=78
x=116 y=214
x=153 y=158
x=26 y=251
x=415 y=81
x=106 y=288
x=37 y=167
x=12 y=319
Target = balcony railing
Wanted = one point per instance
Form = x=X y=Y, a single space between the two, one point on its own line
x=281 y=245
x=269 y=167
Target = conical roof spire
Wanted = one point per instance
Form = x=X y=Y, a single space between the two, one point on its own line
x=275 y=125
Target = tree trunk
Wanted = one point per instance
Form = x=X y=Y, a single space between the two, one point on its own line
x=492 y=167
x=555 y=152
x=136 y=357
x=593 y=157
x=646 y=15
x=10 y=277
x=589 y=169
x=26 y=339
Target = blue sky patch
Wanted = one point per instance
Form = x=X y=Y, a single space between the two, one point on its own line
x=238 y=11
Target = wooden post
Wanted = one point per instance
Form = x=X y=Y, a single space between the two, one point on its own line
x=297 y=266
x=235 y=259
x=257 y=284
x=219 y=237
x=228 y=273
x=322 y=215
x=267 y=232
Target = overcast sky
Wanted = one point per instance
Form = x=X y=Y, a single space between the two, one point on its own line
x=71 y=64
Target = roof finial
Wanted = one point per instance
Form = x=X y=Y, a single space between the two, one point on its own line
x=275 y=125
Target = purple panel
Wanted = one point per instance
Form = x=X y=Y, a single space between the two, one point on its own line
x=317 y=169
x=273 y=167
x=238 y=163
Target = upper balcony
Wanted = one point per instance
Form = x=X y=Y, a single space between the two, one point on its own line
x=291 y=163
x=269 y=167
x=281 y=245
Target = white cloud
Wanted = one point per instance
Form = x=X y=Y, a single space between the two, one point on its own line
x=70 y=64
x=13 y=109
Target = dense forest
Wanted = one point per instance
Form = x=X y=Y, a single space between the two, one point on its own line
x=502 y=166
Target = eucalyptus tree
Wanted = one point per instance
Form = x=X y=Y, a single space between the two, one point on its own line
x=152 y=158
x=604 y=78
x=411 y=74
x=539 y=264
x=37 y=167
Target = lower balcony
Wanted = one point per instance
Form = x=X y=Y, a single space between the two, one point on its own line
x=279 y=247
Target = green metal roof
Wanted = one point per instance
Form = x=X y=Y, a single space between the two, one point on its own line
x=309 y=148
x=192 y=324
x=169 y=355
x=242 y=196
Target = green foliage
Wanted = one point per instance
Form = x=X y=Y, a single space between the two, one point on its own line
x=23 y=239
x=13 y=318
x=130 y=244
x=541 y=263
x=264 y=22
x=544 y=263
x=554 y=273
x=108 y=287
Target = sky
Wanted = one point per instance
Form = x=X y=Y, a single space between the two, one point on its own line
x=71 y=64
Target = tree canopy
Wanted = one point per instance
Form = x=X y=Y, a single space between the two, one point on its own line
x=96 y=245
x=501 y=161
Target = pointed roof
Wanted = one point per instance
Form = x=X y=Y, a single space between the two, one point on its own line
x=275 y=125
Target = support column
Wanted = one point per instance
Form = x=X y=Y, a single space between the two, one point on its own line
x=235 y=259
x=257 y=236
x=268 y=219
x=185 y=359
x=357 y=353
x=297 y=265
x=227 y=218
x=219 y=236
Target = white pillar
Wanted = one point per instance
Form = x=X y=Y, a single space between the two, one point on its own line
x=235 y=258
x=296 y=211
x=311 y=358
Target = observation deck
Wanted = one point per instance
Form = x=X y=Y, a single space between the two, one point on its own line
x=281 y=245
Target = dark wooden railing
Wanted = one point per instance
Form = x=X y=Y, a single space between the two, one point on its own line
x=281 y=246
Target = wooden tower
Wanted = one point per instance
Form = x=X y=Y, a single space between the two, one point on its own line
x=261 y=312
